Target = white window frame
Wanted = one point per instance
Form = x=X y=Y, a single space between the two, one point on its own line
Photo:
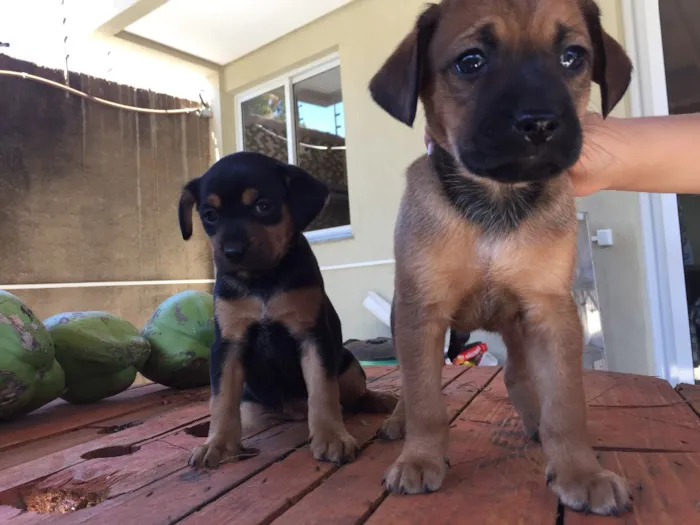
x=287 y=81
x=662 y=250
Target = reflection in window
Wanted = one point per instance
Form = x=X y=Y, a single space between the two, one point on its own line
x=265 y=124
x=318 y=117
x=320 y=141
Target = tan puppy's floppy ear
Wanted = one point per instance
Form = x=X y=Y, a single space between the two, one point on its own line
x=396 y=86
x=612 y=68
x=188 y=199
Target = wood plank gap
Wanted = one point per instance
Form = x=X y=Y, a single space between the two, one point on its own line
x=457 y=376
x=561 y=513
x=680 y=390
x=479 y=390
x=389 y=370
x=372 y=509
x=639 y=450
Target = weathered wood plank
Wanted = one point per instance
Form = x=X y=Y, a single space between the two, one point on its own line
x=39 y=468
x=268 y=493
x=638 y=412
x=46 y=446
x=178 y=500
x=641 y=427
x=496 y=476
x=155 y=460
x=173 y=486
x=62 y=417
x=665 y=489
x=355 y=490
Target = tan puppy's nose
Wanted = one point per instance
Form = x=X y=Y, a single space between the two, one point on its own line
x=536 y=127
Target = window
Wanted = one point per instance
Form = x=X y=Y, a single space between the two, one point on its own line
x=300 y=119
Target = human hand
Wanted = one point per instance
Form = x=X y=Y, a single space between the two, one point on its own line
x=592 y=172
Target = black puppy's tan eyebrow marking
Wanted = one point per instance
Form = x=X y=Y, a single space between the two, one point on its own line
x=214 y=200
x=248 y=196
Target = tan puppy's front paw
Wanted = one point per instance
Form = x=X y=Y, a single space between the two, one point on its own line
x=334 y=446
x=416 y=473
x=600 y=492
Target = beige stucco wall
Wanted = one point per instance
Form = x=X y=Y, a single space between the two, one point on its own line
x=620 y=269
x=379 y=149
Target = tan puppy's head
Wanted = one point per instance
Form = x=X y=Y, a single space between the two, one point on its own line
x=505 y=82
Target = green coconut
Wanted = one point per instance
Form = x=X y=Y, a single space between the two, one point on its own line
x=29 y=377
x=98 y=351
x=51 y=385
x=92 y=389
x=181 y=333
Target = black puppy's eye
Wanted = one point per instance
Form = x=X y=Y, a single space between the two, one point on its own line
x=263 y=207
x=210 y=216
x=573 y=58
x=471 y=62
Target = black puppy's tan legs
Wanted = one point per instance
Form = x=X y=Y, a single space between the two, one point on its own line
x=554 y=343
x=422 y=465
x=330 y=440
x=224 y=438
x=521 y=389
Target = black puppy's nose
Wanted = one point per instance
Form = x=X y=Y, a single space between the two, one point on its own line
x=234 y=250
x=536 y=127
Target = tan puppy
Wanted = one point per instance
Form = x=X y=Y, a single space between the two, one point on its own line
x=486 y=233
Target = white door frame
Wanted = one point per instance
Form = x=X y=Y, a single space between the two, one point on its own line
x=662 y=253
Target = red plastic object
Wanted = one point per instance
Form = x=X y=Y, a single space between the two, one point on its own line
x=471 y=355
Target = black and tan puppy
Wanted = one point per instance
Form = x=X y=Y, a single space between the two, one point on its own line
x=278 y=352
x=486 y=233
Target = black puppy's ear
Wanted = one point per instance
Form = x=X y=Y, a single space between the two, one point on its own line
x=188 y=199
x=612 y=68
x=307 y=197
x=397 y=85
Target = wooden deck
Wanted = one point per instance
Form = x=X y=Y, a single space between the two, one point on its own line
x=125 y=458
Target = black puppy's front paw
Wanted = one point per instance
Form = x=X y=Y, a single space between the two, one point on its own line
x=206 y=456
x=334 y=446
x=211 y=455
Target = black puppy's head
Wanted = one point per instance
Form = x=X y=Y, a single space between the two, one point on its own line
x=504 y=83
x=252 y=208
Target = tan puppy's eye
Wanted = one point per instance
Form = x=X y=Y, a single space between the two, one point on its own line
x=573 y=58
x=471 y=62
